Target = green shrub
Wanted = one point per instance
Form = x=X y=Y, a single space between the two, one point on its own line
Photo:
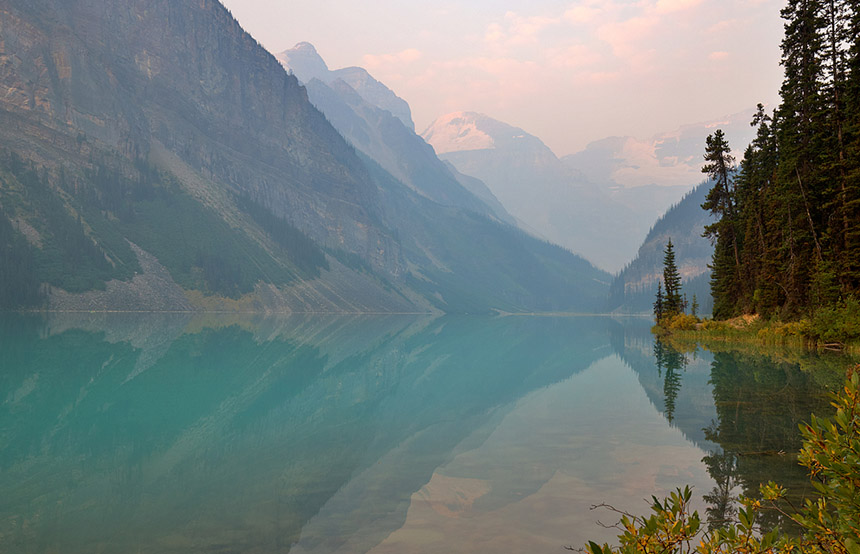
x=839 y=323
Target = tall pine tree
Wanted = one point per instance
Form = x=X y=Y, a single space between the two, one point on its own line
x=721 y=202
x=672 y=302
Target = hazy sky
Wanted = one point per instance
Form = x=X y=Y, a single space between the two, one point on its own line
x=568 y=71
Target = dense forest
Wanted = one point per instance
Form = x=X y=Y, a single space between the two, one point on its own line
x=787 y=235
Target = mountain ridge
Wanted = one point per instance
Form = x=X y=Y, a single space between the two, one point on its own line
x=306 y=63
x=384 y=137
x=167 y=129
x=635 y=287
x=538 y=189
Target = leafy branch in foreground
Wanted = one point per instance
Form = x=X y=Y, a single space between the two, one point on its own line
x=830 y=523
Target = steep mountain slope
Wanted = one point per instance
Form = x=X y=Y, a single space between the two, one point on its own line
x=306 y=63
x=363 y=116
x=633 y=289
x=154 y=156
x=464 y=259
x=538 y=189
x=483 y=192
x=137 y=119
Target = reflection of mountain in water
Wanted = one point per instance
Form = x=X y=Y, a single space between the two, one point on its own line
x=184 y=435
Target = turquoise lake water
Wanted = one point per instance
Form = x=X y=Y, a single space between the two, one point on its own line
x=172 y=433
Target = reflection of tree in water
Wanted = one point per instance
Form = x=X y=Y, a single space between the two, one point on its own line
x=722 y=500
x=760 y=402
x=670 y=363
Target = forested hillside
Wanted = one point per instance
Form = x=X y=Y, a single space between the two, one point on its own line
x=788 y=229
x=632 y=290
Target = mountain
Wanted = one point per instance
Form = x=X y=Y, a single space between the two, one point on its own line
x=577 y=201
x=672 y=159
x=384 y=137
x=306 y=63
x=634 y=288
x=538 y=189
x=155 y=156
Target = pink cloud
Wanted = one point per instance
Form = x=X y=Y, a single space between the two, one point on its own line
x=573 y=56
x=669 y=6
x=628 y=38
x=726 y=26
x=581 y=14
x=410 y=55
x=599 y=77
x=518 y=30
x=718 y=56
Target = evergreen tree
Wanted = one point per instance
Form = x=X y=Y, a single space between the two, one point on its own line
x=801 y=133
x=851 y=259
x=835 y=48
x=755 y=193
x=720 y=200
x=787 y=235
x=722 y=203
x=672 y=302
x=658 y=303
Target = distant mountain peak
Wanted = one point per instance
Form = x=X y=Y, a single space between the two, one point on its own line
x=305 y=47
x=307 y=64
x=458 y=132
x=468 y=131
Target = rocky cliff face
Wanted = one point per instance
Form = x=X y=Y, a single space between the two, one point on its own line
x=124 y=74
x=141 y=134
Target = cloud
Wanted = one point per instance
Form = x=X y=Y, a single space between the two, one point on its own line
x=725 y=26
x=630 y=39
x=573 y=56
x=408 y=56
x=518 y=30
x=638 y=53
x=581 y=14
x=495 y=33
x=670 y=6
x=599 y=77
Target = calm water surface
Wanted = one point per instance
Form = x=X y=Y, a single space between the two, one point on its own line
x=129 y=433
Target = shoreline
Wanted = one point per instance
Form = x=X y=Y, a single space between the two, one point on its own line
x=752 y=331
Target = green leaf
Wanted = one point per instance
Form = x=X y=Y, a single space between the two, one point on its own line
x=594 y=548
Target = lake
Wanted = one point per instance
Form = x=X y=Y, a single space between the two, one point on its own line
x=310 y=434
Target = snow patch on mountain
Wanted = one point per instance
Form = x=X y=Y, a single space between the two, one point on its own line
x=671 y=159
x=458 y=132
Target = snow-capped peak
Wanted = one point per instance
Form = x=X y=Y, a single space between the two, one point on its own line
x=457 y=132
